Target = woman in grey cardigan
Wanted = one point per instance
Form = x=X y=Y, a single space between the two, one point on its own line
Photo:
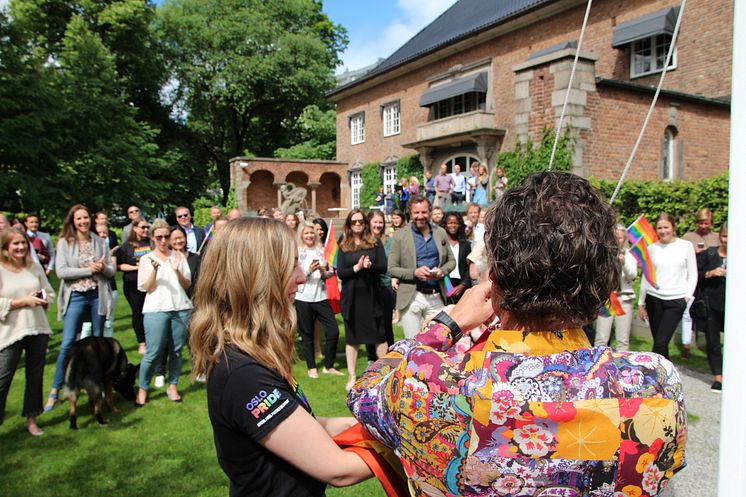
x=83 y=265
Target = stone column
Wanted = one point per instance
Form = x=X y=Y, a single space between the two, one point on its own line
x=278 y=185
x=313 y=186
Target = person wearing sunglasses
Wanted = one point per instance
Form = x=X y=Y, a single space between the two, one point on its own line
x=360 y=264
x=165 y=276
x=133 y=212
x=128 y=259
x=195 y=234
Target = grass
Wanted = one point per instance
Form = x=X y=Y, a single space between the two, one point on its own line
x=163 y=449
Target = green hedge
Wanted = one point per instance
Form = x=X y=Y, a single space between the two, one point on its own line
x=410 y=166
x=528 y=158
x=371 y=183
x=681 y=199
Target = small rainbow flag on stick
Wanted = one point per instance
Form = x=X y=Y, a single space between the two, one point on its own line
x=641 y=229
x=640 y=252
x=331 y=248
x=612 y=307
x=448 y=285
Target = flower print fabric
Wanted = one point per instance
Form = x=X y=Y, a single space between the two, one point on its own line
x=525 y=414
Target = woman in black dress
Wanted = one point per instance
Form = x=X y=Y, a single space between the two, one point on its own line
x=360 y=264
x=453 y=223
x=128 y=256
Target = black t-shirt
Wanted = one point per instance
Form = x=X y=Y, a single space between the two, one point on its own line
x=246 y=401
x=127 y=254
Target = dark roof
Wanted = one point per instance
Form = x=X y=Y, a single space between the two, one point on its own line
x=464 y=18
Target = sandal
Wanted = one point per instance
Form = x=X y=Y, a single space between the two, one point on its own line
x=173 y=395
x=313 y=373
x=332 y=371
x=51 y=402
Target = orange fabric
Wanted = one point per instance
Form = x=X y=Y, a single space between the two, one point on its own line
x=379 y=458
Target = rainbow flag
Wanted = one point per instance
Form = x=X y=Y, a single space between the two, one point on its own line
x=640 y=252
x=448 y=285
x=641 y=229
x=331 y=248
x=612 y=307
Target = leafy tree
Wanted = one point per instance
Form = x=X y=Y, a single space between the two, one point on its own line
x=527 y=159
x=242 y=71
x=409 y=166
x=317 y=132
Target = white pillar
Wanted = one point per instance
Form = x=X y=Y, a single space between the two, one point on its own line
x=732 y=478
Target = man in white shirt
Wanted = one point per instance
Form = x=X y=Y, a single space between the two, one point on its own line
x=474 y=229
x=458 y=193
x=195 y=234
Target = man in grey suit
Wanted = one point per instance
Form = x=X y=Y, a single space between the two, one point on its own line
x=419 y=258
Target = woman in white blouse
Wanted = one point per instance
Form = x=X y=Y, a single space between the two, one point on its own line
x=24 y=296
x=676 y=275
x=311 y=302
x=164 y=275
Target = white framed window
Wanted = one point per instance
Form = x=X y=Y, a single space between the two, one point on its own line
x=649 y=55
x=356 y=182
x=391 y=119
x=389 y=178
x=357 y=128
x=668 y=155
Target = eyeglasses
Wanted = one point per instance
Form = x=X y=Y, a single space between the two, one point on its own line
x=160 y=238
x=133 y=211
x=357 y=221
x=180 y=216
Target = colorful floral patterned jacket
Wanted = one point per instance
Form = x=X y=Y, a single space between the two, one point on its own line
x=525 y=414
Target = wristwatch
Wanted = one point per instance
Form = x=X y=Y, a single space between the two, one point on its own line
x=454 y=330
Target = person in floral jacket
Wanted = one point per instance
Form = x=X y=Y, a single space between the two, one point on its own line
x=523 y=405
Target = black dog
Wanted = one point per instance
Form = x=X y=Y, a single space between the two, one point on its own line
x=98 y=364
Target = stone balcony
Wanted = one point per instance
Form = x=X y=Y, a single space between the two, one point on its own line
x=454 y=125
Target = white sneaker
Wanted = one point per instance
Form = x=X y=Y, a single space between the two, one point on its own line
x=160 y=380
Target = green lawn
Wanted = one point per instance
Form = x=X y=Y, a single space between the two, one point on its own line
x=163 y=449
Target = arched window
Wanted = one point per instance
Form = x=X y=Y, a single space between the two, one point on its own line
x=668 y=155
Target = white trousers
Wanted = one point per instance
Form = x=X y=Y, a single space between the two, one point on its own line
x=622 y=325
x=413 y=316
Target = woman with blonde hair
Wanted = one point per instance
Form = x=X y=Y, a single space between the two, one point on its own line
x=83 y=265
x=242 y=338
x=24 y=296
x=311 y=303
x=164 y=275
x=482 y=182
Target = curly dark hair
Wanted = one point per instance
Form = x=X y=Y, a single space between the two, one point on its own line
x=552 y=249
x=461 y=233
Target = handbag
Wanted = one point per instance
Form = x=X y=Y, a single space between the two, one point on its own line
x=700 y=309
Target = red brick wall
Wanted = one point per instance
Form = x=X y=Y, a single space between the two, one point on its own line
x=704 y=67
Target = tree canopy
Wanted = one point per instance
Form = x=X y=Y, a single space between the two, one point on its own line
x=112 y=102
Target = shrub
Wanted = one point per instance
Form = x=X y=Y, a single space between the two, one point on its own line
x=371 y=183
x=527 y=158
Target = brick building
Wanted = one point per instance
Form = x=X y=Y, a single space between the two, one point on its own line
x=489 y=72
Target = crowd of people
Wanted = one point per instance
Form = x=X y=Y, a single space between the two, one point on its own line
x=185 y=283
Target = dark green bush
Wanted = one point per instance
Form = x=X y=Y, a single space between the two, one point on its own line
x=371 y=183
x=527 y=159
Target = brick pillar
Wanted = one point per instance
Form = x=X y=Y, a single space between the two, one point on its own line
x=548 y=76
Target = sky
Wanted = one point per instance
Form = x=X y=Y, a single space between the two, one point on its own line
x=376 y=28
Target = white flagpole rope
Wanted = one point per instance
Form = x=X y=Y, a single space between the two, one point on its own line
x=652 y=104
x=569 y=85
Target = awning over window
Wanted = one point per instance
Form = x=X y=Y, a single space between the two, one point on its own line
x=661 y=22
x=472 y=83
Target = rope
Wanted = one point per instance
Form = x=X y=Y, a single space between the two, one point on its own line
x=652 y=104
x=569 y=85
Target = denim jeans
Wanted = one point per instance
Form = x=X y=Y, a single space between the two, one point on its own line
x=167 y=329
x=80 y=303
x=108 y=324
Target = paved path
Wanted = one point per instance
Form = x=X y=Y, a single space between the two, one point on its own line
x=700 y=477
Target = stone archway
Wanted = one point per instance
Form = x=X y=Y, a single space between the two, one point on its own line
x=260 y=192
x=328 y=194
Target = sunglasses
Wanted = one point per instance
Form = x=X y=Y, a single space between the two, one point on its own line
x=144 y=227
x=180 y=216
x=357 y=221
x=161 y=237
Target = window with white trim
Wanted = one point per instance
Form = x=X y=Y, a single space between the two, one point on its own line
x=649 y=55
x=357 y=128
x=389 y=178
x=391 y=119
x=356 y=183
